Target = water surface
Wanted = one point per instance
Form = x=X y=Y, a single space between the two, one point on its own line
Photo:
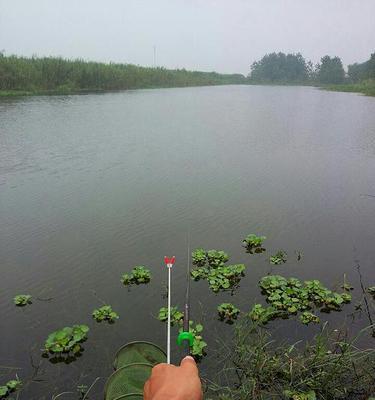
x=93 y=185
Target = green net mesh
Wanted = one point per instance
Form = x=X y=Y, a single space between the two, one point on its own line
x=127 y=380
x=139 y=352
x=133 y=364
x=130 y=396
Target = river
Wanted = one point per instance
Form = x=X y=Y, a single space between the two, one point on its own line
x=92 y=185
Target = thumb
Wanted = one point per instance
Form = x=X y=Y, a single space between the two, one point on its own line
x=189 y=365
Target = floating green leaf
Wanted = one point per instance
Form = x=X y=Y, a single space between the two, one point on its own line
x=227 y=312
x=253 y=243
x=176 y=315
x=66 y=340
x=279 y=258
x=138 y=275
x=22 y=300
x=290 y=296
x=9 y=387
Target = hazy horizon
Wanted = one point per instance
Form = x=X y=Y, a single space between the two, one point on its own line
x=207 y=36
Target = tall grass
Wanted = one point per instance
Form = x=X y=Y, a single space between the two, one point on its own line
x=331 y=366
x=57 y=75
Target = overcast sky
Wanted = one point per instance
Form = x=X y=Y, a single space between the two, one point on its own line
x=221 y=35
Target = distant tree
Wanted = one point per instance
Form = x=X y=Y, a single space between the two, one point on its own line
x=360 y=71
x=280 y=67
x=330 y=70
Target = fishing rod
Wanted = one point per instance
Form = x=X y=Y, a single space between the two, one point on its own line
x=185 y=338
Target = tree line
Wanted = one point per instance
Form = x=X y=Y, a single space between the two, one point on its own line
x=293 y=68
x=55 y=74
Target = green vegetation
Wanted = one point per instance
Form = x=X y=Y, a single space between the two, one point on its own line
x=199 y=345
x=366 y=87
x=227 y=312
x=210 y=265
x=105 y=313
x=331 y=366
x=138 y=275
x=371 y=290
x=9 y=387
x=279 y=258
x=177 y=318
x=293 y=69
x=51 y=75
x=66 y=340
x=176 y=315
x=254 y=243
x=289 y=296
x=280 y=68
x=22 y=300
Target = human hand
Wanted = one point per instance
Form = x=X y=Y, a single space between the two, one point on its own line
x=169 y=382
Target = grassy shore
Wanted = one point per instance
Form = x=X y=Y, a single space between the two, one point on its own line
x=366 y=87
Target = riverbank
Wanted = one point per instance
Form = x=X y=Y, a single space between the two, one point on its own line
x=22 y=76
x=366 y=87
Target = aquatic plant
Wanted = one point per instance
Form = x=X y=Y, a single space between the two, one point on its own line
x=66 y=340
x=227 y=312
x=105 y=313
x=262 y=315
x=198 y=257
x=253 y=243
x=210 y=265
x=199 y=345
x=290 y=296
x=22 y=300
x=177 y=318
x=295 y=395
x=9 y=387
x=176 y=315
x=278 y=258
x=138 y=275
x=306 y=317
x=226 y=277
x=371 y=290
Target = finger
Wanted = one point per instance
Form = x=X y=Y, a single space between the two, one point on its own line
x=188 y=363
x=160 y=369
x=146 y=390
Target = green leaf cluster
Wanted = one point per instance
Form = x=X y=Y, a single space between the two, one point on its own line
x=138 y=275
x=254 y=243
x=176 y=315
x=199 y=345
x=105 y=313
x=293 y=395
x=306 y=317
x=371 y=290
x=22 y=300
x=67 y=339
x=210 y=265
x=279 y=258
x=177 y=318
x=227 y=312
x=289 y=296
x=9 y=387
